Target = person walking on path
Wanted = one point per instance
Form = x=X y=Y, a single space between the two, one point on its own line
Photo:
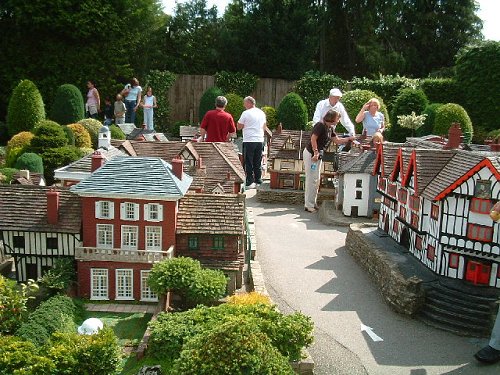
x=93 y=103
x=148 y=103
x=253 y=122
x=132 y=94
x=217 y=125
x=373 y=120
x=322 y=134
x=333 y=103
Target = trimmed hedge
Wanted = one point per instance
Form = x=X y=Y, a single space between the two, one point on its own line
x=292 y=112
x=207 y=101
x=271 y=117
x=116 y=132
x=441 y=90
x=48 y=134
x=30 y=161
x=68 y=106
x=70 y=136
x=25 y=109
x=353 y=102
x=82 y=136
x=234 y=106
x=408 y=100
x=450 y=113
x=54 y=158
x=20 y=357
x=428 y=126
x=92 y=126
x=17 y=145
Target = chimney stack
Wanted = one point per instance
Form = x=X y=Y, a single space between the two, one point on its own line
x=53 y=206
x=24 y=173
x=177 y=166
x=279 y=128
x=454 y=137
x=199 y=163
x=97 y=161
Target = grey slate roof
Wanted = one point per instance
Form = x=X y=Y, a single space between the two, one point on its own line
x=127 y=128
x=134 y=177
x=430 y=163
x=85 y=164
x=361 y=163
x=24 y=208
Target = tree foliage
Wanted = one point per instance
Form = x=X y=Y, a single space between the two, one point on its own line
x=354 y=100
x=30 y=161
x=68 y=106
x=161 y=81
x=449 y=113
x=408 y=100
x=26 y=108
x=240 y=83
x=207 y=101
x=48 y=134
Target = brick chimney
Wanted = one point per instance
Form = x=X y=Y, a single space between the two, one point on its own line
x=97 y=161
x=279 y=128
x=177 y=166
x=454 y=137
x=53 y=206
x=199 y=163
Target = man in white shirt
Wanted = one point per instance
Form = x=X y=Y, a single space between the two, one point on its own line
x=252 y=121
x=333 y=102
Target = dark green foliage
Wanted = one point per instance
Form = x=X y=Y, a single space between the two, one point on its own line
x=4 y=134
x=234 y=106
x=68 y=106
x=6 y=175
x=70 y=136
x=92 y=126
x=18 y=356
x=61 y=276
x=160 y=82
x=408 y=100
x=116 y=132
x=30 y=161
x=292 y=112
x=271 y=117
x=442 y=90
x=175 y=128
x=54 y=158
x=240 y=83
x=450 y=113
x=234 y=347
x=428 y=126
x=26 y=108
x=314 y=86
x=207 y=101
x=48 y=134
x=478 y=72
x=353 y=101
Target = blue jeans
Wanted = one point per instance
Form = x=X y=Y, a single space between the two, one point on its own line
x=130 y=114
x=252 y=152
x=148 y=118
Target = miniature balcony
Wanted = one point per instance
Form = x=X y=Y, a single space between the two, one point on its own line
x=120 y=255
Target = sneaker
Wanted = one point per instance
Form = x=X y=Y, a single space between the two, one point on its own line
x=488 y=355
x=251 y=186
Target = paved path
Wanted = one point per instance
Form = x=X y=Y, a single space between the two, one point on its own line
x=306 y=267
x=120 y=308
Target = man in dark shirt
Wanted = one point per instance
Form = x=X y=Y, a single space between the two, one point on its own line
x=217 y=125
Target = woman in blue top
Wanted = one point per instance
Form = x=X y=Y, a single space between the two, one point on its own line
x=373 y=120
x=132 y=94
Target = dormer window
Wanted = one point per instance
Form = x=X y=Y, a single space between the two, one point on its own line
x=188 y=158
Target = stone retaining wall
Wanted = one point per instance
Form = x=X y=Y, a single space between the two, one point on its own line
x=404 y=295
x=295 y=197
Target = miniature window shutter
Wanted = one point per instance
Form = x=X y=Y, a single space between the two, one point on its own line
x=160 y=212
x=146 y=212
x=98 y=210
x=136 y=211
x=111 y=210
x=123 y=211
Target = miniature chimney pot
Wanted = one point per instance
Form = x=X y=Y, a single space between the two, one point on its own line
x=177 y=166
x=279 y=128
x=24 y=173
x=53 y=206
x=97 y=161
x=454 y=137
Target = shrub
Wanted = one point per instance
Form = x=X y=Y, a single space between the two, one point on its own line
x=17 y=145
x=19 y=357
x=249 y=299
x=241 y=83
x=48 y=134
x=57 y=157
x=441 y=90
x=116 y=132
x=30 y=161
x=234 y=106
x=161 y=82
x=61 y=276
x=4 y=134
x=25 y=109
x=207 y=101
x=271 y=118
x=450 y=113
x=207 y=287
x=315 y=86
x=353 y=101
x=82 y=137
x=13 y=299
x=70 y=136
x=8 y=174
x=428 y=126
x=292 y=112
x=408 y=100
x=67 y=107
x=234 y=347
x=92 y=126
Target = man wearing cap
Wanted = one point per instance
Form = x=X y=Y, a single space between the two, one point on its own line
x=217 y=124
x=333 y=103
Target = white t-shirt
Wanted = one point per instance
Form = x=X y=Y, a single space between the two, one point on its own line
x=254 y=120
x=324 y=106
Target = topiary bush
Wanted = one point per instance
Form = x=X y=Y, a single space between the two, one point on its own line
x=54 y=158
x=241 y=83
x=116 y=132
x=292 y=112
x=450 y=113
x=48 y=134
x=315 y=86
x=251 y=298
x=92 y=126
x=234 y=106
x=408 y=100
x=67 y=107
x=82 y=136
x=271 y=117
x=207 y=101
x=30 y=161
x=70 y=136
x=353 y=101
x=233 y=347
x=428 y=126
x=25 y=109
x=17 y=145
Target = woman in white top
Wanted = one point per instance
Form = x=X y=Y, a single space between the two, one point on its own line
x=93 y=103
x=132 y=94
x=373 y=120
x=148 y=103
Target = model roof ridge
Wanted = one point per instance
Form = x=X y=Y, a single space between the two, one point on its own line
x=229 y=162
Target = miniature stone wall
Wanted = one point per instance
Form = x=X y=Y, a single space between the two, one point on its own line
x=296 y=197
x=404 y=295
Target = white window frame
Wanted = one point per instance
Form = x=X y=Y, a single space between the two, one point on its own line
x=99 y=292
x=153 y=237
x=99 y=210
x=124 y=290
x=129 y=211
x=127 y=237
x=104 y=245
x=146 y=294
x=153 y=208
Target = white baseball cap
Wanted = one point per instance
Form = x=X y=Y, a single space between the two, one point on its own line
x=335 y=92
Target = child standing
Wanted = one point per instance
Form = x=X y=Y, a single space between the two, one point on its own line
x=148 y=103
x=119 y=110
x=108 y=111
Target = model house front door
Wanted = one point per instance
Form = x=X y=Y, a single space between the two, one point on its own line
x=478 y=273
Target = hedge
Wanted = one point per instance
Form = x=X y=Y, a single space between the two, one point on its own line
x=292 y=112
x=82 y=136
x=441 y=90
x=408 y=100
x=48 y=134
x=234 y=106
x=68 y=106
x=25 y=109
x=207 y=101
x=271 y=117
x=92 y=126
x=58 y=157
x=428 y=126
x=353 y=102
x=241 y=83
x=450 y=113
x=30 y=161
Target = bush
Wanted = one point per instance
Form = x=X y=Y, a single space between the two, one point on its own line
x=161 y=82
x=478 y=71
x=17 y=145
x=234 y=106
x=57 y=157
x=251 y=298
x=8 y=174
x=271 y=118
x=234 y=347
x=116 y=132
x=441 y=90
x=30 y=161
x=48 y=134
x=92 y=126
x=408 y=100
x=67 y=107
x=241 y=83
x=428 y=126
x=19 y=357
x=13 y=299
x=450 y=113
x=25 y=109
x=292 y=112
x=353 y=101
x=70 y=136
x=82 y=137
x=61 y=276
x=207 y=101
x=4 y=134
x=315 y=86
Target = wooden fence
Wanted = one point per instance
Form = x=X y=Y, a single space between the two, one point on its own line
x=184 y=96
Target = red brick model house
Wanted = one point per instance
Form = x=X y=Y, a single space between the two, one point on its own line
x=436 y=203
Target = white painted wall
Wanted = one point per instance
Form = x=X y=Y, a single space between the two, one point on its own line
x=350 y=190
